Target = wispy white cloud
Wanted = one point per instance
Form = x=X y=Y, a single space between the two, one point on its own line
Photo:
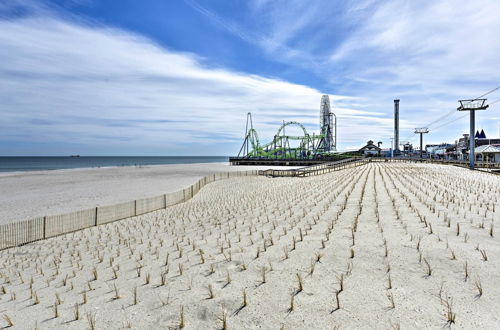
x=275 y=24
x=429 y=54
x=228 y=25
x=62 y=81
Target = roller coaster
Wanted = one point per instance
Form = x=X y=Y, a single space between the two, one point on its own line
x=306 y=146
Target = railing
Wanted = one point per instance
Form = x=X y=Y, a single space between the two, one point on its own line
x=23 y=232
x=270 y=161
x=316 y=169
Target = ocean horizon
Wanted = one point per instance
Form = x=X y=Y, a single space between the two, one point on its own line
x=43 y=163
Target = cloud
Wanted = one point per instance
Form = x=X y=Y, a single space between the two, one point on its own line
x=429 y=54
x=71 y=82
x=64 y=80
x=419 y=53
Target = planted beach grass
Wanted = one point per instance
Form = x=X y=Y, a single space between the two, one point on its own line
x=336 y=249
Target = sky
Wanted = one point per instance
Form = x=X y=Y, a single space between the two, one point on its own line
x=178 y=77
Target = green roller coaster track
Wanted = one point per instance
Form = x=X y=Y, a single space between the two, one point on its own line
x=279 y=147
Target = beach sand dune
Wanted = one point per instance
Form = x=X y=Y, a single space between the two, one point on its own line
x=410 y=246
x=24 y=195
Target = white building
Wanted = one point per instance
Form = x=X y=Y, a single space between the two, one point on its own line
x=488 y=153
x=370 y=149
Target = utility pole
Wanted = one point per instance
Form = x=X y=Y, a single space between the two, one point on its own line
x=421 y=131
x=472 y=106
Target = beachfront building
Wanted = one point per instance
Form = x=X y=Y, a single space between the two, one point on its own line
x=488 y=153
x=370 y=149
x=438 y=151
x=462 y=145
x=461 y=151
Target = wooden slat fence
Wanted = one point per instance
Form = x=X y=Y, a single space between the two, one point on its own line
x=23 y=232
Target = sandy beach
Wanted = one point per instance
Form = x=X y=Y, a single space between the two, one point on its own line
x=24 y=195
x=401 y=246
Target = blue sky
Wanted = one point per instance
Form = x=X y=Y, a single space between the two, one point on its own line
x=177 y=77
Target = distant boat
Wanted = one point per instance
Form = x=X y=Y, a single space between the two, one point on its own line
x=74 y=156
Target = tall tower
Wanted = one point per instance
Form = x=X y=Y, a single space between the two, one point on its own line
x=327 y=126
x=396 y=126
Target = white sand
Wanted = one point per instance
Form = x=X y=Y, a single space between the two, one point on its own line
x=236 y=229
x=24 y=195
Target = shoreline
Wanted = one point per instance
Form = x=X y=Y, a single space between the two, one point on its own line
x=198 y=160
x=7 y=173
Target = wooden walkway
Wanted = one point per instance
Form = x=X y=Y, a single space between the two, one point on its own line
x=316 y=169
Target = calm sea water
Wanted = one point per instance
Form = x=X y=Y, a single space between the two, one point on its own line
x=9 y=164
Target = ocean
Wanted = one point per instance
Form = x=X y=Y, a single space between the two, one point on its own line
x=11 y=164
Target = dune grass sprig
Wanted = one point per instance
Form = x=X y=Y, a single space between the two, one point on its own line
x=390 y=297
x=210 y=291
x=182 y=321
x=91 y=320
x=285 y=253
x=76 y=313
x=55 y=310
x=311 y=268
x=428 y=266
x=479 y=287
x=135 y=298
x=300 y=284
x=341 y=282
x=243 y=304
x=483 y=255
x=36 y=299
x=211 y=270
x=228 y=280
x=337 y=301
x=292 y=304
x=263 y=271
x=8 y=320
x=223 y=319
x=466 y=271
x=449 y=314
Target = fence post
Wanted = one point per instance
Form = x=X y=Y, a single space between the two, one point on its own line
x=44 y=226
x=95 y=218
x=135 y=207
x=165 y=196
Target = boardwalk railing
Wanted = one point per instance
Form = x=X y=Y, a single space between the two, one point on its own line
x=316 y=169
x=19 y=233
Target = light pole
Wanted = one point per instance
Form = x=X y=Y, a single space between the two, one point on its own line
x=421 y=131
x=472 y=106
x=396 y=126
